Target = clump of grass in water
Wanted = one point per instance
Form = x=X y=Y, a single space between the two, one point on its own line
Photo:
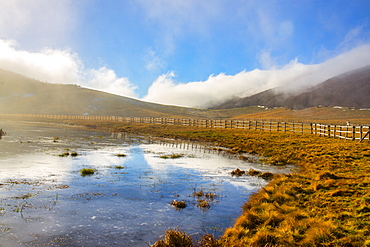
x=211 y=195
x=172 y=156
x=253 y=172
x=201 y=193
x=121 y=155
x=119 y=167
x=65 y=154
x=74 y=154
x=178 y=204
x=198 y=194
x=203 y=204
x=237 y=172
x=87 y=171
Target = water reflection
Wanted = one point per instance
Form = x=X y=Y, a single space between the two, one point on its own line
x=45 y=201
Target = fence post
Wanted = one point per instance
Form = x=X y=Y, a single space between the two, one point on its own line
x=353 y=133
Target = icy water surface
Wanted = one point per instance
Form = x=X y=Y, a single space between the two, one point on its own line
x=45 y=201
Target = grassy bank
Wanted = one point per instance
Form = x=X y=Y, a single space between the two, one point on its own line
x=326 y=202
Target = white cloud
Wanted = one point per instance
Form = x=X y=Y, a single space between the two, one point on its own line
x=220 y=88
x=106 y=80
x=61 y=66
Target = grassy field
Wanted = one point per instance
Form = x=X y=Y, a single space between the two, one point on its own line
x=325 y=202
x=323 y=115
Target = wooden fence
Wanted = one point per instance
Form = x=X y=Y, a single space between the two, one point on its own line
x=349 y=132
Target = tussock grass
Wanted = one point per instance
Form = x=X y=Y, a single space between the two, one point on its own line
x=121 y=155
x=172 y=156
x=178 y=204
x=177 y=238
x=253 y=172
x=204 y=204
x=266 y=175
x=65 y=154
x=87 y=171
x=237 y=172
x=174 y=238
x=119 y=167
x=211 y=195
x=208 y=195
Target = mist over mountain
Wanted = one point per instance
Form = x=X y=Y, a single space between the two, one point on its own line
x=22 y=95
x=350 y=89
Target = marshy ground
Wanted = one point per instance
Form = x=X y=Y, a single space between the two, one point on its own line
x=325 y=202
x=126 y=200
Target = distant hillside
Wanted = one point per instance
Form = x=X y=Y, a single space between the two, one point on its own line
x=19 y=94
x=351 y=89
x=328 y=115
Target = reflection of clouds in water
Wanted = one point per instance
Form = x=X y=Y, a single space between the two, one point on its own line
x=103 y=158
x=35 y=166
x=205 y=164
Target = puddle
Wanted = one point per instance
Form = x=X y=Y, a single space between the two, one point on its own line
x=127 y=201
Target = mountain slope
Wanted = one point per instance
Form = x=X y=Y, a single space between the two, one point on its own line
x=351 y=89
x=270 y=98
x=19 y=94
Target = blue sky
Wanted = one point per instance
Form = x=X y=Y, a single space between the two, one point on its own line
x=188 y=49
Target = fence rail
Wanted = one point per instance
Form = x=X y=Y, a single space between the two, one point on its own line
x=349 y=132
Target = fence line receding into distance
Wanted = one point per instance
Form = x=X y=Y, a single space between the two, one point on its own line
x=348 y=132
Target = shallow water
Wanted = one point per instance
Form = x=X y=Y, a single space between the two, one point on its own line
x=45 y=201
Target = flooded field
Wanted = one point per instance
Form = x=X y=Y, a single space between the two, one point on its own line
x=45 y=200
